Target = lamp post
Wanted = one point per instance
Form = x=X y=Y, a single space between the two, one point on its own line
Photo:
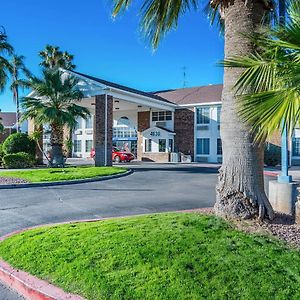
x=284 y=176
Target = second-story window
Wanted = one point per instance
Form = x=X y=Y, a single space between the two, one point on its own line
x=78 y=123
x=203 y=115
x=219 y=114
x=89 y=122
x=161 y=116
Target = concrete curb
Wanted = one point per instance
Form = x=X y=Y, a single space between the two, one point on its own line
x=270 y=173
x=66 y=182
x=33 y=288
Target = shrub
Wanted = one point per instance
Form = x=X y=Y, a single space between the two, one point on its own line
x=19 y=142
x=272 y=155
x=19 y=160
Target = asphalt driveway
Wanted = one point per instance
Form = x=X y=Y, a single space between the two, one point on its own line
x=151 y=188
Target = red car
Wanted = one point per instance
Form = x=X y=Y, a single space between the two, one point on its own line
x=118 y=155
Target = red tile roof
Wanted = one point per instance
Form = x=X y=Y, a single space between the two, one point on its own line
x=194 y=95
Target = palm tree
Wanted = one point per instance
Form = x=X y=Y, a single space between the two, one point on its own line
x=16 y=68
x=240 y=188
x=270 y=80
x=54 y=102
x=5 y=49
x=54 y=58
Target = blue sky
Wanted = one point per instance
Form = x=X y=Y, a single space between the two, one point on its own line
x=113 y=49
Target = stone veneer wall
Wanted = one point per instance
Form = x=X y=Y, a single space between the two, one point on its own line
x=184 y=128
x=143 y=122
x=157 y=157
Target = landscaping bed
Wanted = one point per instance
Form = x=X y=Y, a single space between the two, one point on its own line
x=57 y=174
x=162 y=256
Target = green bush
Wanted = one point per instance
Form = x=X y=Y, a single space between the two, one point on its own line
x=272 y=155
x=19 y=160
x=19 y=142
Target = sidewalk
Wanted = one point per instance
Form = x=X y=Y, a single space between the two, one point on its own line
x=294 y=171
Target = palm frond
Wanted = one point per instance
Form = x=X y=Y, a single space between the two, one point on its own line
x=269 y=86
x=55 y=100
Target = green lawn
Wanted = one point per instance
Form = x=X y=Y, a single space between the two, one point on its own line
x=60 y=174
x=163 y=256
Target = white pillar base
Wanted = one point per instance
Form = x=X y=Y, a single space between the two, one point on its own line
x=283 y=196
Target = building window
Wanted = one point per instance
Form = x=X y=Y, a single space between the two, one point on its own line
x=162 y=145
x=148 y=145
x=219 y=114
x=77 y=146
x=89 y=122
x=219 y=147
x=203 y=115
x=88 y=145
x=296 y=146
x=124 y=132
x=161 y=116
x=171 y=145
x=78 y=123
x=203 y=146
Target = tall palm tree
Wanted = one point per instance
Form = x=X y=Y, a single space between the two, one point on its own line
x=53 y=57
x=240 y=188
x=54 y=102
x=271 y=79
x=17 y=69
x=5 y=49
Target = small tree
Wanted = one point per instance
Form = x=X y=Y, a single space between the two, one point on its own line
x=54 y=103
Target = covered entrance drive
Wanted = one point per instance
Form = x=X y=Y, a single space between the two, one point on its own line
x=120 y=116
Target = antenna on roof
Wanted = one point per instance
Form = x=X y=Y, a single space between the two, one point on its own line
x=184 y=76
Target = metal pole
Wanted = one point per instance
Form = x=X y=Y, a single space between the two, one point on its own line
x=105 y=132
x=284 y=177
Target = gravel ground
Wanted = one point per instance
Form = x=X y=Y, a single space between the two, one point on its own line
x=284 y=227
x=9 y=180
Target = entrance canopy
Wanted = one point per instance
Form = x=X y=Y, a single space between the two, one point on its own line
x=128 y=98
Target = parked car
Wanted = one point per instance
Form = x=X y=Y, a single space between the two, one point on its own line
x=117 y=155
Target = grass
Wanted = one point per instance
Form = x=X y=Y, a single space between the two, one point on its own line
x=61 y=174
x=163 y=256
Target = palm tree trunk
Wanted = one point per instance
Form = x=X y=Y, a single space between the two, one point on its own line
x=240 y=189
x=56 y=141
x=18 y=108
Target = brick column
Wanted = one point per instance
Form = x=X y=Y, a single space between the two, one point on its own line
x=32 y=127
x=99 y=130
x=184 y=128
x=143 y=121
